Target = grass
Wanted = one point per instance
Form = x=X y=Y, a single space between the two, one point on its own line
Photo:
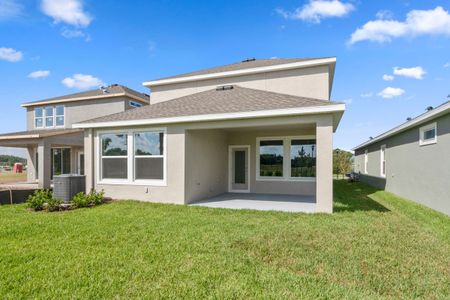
x=375 y=246
x=10 y=177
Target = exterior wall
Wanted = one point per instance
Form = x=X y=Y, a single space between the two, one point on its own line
x=268 y=186
x=308 y=82
x=173 y=192
x=206 y=164
x=418 y=173
x=79 y=111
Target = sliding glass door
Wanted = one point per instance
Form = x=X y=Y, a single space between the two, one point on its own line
x=61 y=158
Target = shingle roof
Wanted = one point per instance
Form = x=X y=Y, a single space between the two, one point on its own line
x=112 y=90
x=37 y=133
x=237 y=99
x=241 y=66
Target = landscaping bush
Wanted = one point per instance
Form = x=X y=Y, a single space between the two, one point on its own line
x=53 y=204
x=91 y=199
x=38 y=199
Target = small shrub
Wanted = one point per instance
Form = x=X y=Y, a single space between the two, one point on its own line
x=53 y=204
x=91 y=199
x=80 y=200
x=38 y=199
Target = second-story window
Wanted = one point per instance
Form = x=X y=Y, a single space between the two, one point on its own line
x=49 y=116
x=38 y=117
x=59 y=115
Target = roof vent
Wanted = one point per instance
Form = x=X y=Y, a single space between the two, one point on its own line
x=370 y=137
x=429 y=108
x=104 y=89
x=114 y=85
x=408 y=119
x=224 y=88
x=249 y=59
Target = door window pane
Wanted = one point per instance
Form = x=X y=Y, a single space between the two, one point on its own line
x=66 y=161
x=271 y=158
x=239 y=167
x=81 y=162
x=57 y=161
x=114 y=145
x=303 y=158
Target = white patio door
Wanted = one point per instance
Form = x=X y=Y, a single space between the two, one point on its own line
x=239 y=169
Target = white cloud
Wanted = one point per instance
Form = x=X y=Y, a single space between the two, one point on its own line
x=81 y=81
x=415 y=72
x=70 y=34
x=39 y=74
x=10 y=54
x=366 y=95
x=447 y=65
x=316 y=10
x=66 y=11
x=391 y=92
x=9 y=9
x=418 y=22
x=384 y=14
x=388 y=77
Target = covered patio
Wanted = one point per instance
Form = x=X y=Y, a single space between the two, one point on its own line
x=264 y=202
x=49 y=152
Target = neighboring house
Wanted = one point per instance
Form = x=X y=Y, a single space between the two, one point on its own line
x=258 y=126
x=411 y=160
x=53 y=146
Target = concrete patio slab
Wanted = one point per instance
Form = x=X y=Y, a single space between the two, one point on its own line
x=266 y=202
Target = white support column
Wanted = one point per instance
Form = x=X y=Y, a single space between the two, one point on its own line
x=324 y=161
x=31 y=164
x=89 y=158
x=44 y=157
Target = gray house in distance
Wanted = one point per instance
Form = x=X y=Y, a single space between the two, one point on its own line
x=411 y=160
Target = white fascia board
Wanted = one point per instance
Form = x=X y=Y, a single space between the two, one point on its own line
x=405 y=126
x=220 y=117
x=288 y=66
x=45 y=102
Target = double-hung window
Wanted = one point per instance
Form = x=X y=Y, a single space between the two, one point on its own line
x=383 y=161
x=38 y=117
x=286 y=158
x=133 y=157
x=49 y=116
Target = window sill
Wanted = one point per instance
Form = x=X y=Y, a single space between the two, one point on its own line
x=161 y=183
x=426 y=143
x=290 y=179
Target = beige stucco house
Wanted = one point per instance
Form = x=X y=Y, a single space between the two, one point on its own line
x=257 y=126
x=53 y=146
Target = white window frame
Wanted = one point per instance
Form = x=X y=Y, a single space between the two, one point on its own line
x=286 y=158
x=44 y=116
x=383 y=159
x=366 y=161
x=423 y=129
x=147 y=181
x=130 y=158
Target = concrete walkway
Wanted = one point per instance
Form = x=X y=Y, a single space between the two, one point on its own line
x=286 y=203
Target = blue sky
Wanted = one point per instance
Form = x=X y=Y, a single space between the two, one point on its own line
x=128 y=42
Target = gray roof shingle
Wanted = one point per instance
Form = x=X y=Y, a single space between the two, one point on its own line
x=238 y=99
x=241 y=66
x=112 y=90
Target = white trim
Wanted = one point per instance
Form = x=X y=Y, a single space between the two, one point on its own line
x=438 y=111
x=130 y=158
x=366 y=161
x=382 y=159
x=286 y=159
x=218 y=117
x=230 y=167
x=423 y=129
x=45 y=102
x=279 y=67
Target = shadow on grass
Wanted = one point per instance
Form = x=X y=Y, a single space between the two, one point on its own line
x=351 y=197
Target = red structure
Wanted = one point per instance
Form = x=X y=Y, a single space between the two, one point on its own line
x=18 y=168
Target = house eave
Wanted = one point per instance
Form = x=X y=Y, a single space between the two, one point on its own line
x=288 y=66
x=426 y=117
x=334 y=109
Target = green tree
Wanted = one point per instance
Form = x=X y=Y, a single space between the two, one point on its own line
x=342 y=162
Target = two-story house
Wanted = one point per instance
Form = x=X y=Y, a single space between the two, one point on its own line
x=53 y=146
x=257 y=126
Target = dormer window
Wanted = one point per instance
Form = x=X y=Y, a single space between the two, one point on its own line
x=49 y=116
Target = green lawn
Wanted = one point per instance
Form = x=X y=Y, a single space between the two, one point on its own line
x=10 y=177
x=375 y=246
